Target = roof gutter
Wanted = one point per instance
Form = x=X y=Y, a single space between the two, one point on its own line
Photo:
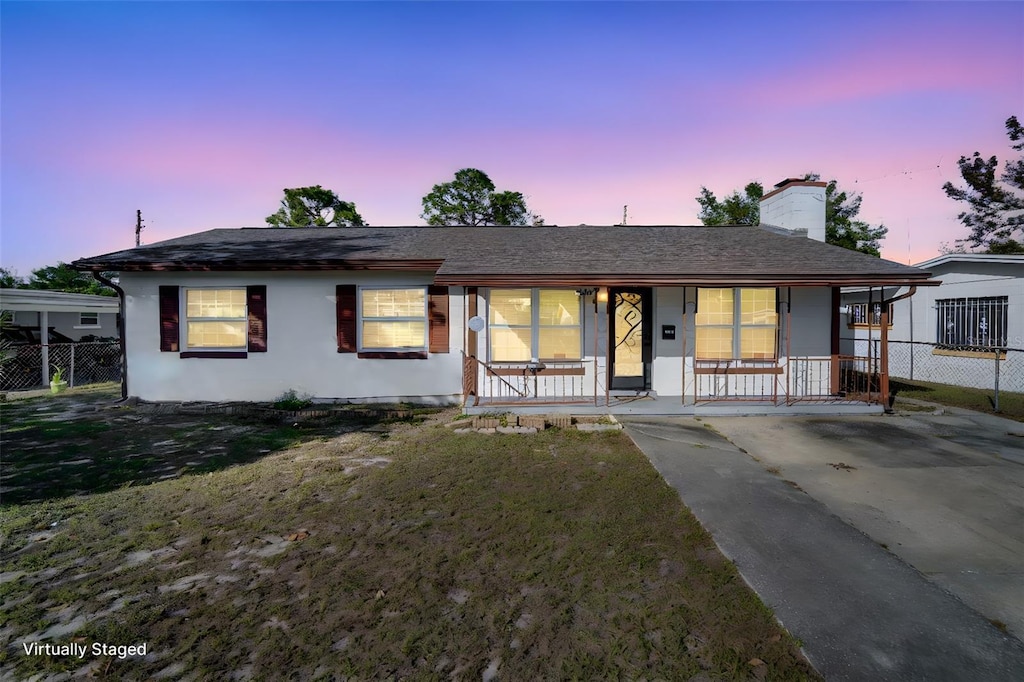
x=911 y=292
x=120 y=331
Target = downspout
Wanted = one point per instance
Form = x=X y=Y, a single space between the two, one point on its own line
x=120 y=331
x=886 y=302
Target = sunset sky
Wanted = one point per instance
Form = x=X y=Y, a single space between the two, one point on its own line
x=199 y=114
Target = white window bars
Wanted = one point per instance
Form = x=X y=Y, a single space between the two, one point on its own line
x=971 y=322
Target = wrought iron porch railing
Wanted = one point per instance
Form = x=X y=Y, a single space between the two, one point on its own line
x=534 y=383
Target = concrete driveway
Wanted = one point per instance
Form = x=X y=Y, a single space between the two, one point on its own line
x=893 y=546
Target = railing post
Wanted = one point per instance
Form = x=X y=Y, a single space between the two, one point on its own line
x=996 y=401
x=44 y=348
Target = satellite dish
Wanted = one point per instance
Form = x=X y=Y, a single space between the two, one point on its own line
x=477 y=323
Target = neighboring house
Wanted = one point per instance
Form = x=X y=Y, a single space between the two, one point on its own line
x=657 y=319
x=42 y=327
x=950 y=333
x=72 y=316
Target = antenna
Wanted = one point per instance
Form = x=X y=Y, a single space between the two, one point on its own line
x=138 y=226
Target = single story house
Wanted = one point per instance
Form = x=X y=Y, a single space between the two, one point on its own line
x=72 y=316
x=658 y=319
x=952 y=333
x=43 y=326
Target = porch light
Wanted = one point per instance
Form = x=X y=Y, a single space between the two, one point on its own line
x=602 y=295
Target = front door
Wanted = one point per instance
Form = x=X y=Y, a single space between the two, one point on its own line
x=630 y=331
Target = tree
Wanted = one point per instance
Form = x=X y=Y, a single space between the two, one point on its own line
x=840 y=227
x=735 y=209
x=840 y=210
x=995 y=208
x=471 y=199
x=314 y=207
x=9 y=279
x=62 y=277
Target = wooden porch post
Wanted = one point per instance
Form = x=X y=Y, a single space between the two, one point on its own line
x=834 y=365
x=471 y=347
x=883 y=353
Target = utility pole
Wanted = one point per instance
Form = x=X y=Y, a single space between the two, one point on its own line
x=138 y=226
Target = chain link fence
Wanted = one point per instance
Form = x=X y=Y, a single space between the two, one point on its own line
x=986 y=368
x=88 y=362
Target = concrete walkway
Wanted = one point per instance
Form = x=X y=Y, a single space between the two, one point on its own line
x=860 y=611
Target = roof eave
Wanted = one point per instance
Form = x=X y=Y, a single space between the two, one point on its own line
x=682 y=280
x=257 y=266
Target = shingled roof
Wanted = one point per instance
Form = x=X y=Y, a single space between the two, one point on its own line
x=618 y=255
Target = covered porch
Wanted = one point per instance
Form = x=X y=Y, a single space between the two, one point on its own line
x=640 y=357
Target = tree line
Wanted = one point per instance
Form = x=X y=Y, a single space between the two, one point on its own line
x=993 y=195
x=994 y=213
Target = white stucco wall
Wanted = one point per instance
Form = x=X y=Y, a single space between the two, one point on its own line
x=301 y=345
x=667 y=370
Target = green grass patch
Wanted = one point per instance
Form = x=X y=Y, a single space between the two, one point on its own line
x=424 y=555
x=82 y=443
x=1011 y=404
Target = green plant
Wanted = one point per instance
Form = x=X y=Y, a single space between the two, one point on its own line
x=58 y=374
x=290 y=400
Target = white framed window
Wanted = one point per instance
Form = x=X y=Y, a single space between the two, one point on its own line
x=972 y=322
x=393 y=319
x=737 y=324
x=216 y=319
x=88 y=320
x=546 y=324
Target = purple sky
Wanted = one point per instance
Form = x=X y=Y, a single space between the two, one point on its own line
x=201 y=113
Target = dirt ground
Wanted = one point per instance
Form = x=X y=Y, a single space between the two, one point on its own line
x=83 y=441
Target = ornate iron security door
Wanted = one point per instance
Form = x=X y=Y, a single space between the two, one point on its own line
x=630 y=330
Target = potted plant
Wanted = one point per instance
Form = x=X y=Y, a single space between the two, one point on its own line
x=57 y=383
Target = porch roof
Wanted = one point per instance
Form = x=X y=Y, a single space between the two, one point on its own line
x=584 y=255
x=35 y=300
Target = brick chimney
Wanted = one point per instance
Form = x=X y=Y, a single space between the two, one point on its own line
x=797 y=206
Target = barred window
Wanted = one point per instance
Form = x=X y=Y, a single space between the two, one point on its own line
x=859 y=315
x=972 y=322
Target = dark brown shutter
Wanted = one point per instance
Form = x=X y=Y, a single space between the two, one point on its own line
x=256 y=301
x=345 y=295
x=437 y=313
x=169 y=319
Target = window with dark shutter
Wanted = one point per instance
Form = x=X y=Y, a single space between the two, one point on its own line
x=345 y=296
x=437 y=311
x=256 y=302
x=169 y=319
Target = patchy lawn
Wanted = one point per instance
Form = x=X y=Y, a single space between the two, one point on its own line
x=347 y=553
x=1011 y=405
